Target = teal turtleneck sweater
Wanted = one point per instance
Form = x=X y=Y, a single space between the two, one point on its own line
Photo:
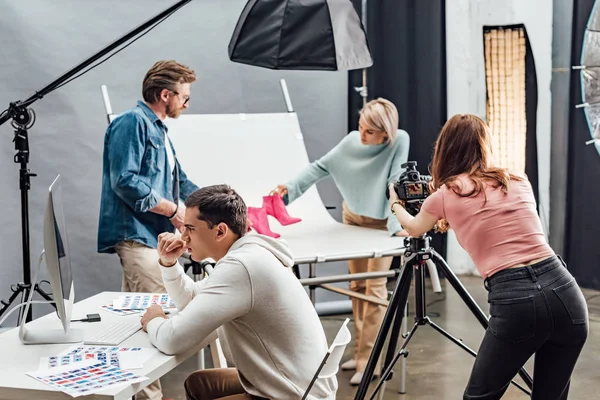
x=361 y=173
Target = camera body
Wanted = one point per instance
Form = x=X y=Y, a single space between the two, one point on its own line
x=411 y=187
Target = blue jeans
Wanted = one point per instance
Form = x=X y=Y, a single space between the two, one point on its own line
x=538 y=309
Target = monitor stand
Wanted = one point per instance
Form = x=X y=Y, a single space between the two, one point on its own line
x=41 y=335
x=49 y=336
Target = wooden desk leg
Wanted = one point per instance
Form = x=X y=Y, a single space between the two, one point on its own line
x=218 y=357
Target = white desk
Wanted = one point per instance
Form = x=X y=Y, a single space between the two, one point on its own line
x=16 y=358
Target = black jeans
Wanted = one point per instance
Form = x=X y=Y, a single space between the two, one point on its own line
x=536 y=309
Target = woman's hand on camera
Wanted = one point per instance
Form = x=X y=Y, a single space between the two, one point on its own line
x=402 y=233
x=280 y=190
x=393 y=195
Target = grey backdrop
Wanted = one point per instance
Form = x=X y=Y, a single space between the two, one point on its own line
x=41 y=39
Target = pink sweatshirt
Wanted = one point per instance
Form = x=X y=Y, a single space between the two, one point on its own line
x=503 y=232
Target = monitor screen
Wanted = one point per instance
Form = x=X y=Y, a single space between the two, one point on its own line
x=66 y=278
x=56 y=249
x=62 y=247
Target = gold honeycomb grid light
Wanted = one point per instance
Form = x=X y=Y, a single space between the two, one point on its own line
x=505 y=52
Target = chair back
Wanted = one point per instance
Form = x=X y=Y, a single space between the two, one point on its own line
x=331 y=361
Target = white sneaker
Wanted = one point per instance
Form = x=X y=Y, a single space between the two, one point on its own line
x=349 y=365
x=356 y=378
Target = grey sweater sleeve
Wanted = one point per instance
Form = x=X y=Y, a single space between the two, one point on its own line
x=314 y=172
x=203 y=306
x=310 y=175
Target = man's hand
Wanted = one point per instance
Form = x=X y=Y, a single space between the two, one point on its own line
x=402 y=233
x=154 y=311
x=177 y=220
x=170 y=248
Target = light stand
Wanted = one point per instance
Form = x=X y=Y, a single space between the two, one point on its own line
x=363 y=90
x=23 y=119
x=200 y=269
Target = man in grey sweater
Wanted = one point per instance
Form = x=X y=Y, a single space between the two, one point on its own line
x=261 y=312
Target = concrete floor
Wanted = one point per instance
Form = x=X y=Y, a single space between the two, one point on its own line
x=436 y=367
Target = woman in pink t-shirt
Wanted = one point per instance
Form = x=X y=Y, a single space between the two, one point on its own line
x=536 y=306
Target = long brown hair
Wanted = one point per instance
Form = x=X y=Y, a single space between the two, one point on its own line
x=464 y=147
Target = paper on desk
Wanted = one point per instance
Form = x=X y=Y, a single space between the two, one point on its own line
x=85 y=377
x=143 y=301
x=135 y=359
x=128 y=357
x=59 y=361
x=109 y=308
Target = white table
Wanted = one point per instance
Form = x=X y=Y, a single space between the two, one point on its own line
x=16 y=358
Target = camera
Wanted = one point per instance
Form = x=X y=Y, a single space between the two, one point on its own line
x=411 y=187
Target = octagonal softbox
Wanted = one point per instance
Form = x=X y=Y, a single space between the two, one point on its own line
x=301 y=35
x=590 y=75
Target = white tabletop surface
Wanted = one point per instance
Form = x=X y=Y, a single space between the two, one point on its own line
x=17 y=359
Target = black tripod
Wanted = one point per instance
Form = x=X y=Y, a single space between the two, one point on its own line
x=23 y=120
x=199 y=267
x=417 y=253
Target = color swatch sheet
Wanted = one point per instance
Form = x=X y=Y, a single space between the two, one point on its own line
x=61 y=361
x=111 y=309
x=122 y=357
x=142 y=301
x=85 y=377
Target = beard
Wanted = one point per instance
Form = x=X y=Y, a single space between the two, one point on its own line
x=172 y=112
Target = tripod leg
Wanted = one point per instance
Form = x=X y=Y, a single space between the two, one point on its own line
x=401 y=352
x=460 y=289
x=402 y=389
x=452 y=338
x=464 y=347
x=470 y=302
x=45 y=295
x=395 y=310
x=24 y=296
x=399 y=321
x=13 y=297
x=394 y=336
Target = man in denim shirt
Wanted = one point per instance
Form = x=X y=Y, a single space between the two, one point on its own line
x=142 y=182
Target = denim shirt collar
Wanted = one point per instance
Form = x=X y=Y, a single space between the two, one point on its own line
x=151 y=115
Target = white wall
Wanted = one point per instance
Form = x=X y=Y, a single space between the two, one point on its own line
x=466 y=78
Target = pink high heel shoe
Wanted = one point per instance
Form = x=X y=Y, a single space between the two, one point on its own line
x=260 y=222
x=275 y=207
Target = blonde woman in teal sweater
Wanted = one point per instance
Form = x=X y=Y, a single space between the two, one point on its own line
x=362 y=165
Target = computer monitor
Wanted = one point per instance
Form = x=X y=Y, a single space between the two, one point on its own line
x=58 y=265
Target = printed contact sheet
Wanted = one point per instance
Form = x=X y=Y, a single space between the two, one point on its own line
x=142 y=301
x=111 y=309
x=85 y=377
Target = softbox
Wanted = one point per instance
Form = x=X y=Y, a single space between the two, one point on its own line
x=590 y=76
x=300 y=35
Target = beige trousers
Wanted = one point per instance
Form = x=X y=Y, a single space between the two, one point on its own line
x=141 y=273
x=216 y=384
x=367 y=316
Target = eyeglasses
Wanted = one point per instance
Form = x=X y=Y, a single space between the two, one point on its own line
x=185 y=100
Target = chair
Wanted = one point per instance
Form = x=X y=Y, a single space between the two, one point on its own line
x=331 y=362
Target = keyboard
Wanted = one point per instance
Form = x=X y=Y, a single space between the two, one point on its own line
x=114 y=334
